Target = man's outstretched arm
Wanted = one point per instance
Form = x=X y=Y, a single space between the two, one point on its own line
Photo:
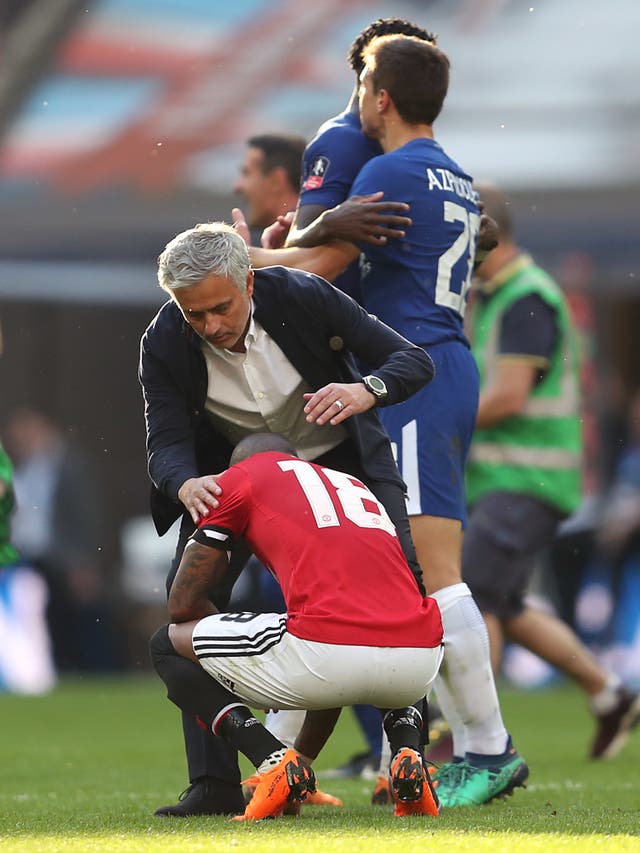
x=327 y=261
x=359 y=219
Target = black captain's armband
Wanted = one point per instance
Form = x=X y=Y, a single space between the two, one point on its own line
x=214 y=537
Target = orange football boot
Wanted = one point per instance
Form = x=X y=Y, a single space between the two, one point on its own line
x=381 y=795
x=411 y=787
x=290 y=781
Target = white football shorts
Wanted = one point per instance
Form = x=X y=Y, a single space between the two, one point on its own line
x=257 y=659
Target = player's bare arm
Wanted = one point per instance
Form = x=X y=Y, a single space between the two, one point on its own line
x=359 y=219
x=200 y=569
x=315 y=731
x=507 y=394
x=327 y=261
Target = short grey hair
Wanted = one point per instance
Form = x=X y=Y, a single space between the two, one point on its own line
x=211 y=248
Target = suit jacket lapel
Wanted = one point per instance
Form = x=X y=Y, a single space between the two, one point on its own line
x=298 y=349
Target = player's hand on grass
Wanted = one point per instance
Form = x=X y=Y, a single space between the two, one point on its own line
x=367 y=219
x=336 y=402
x=200 y=495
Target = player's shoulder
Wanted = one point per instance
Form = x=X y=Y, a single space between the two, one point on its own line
x=344 y=125
x=382 y=169
x=437 y=157
x=341 y=138
x=234 y=477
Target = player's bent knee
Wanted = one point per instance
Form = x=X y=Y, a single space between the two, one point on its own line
x=160 y=644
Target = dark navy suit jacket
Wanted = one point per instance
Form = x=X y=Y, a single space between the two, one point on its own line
x=319 y=330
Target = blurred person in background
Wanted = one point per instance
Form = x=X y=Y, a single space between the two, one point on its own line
x=617 y=549
x=26 y=663
x=618 y=527
x=235 y=352
x=524 y=468
x=57 y=527
x=269 y=179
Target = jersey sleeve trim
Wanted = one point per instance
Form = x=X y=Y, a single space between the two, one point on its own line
x=214 y=536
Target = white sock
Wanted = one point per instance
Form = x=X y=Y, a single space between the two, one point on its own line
x=385 y=755
x=451 y=715
x=607 y=699
x=467 y=674
x=285 y=725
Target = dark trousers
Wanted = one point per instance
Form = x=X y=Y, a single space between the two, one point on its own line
x=208 y=755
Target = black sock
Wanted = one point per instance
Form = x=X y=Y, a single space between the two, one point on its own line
x=188 y=685
x=247 y=734
x=192 y=689
x=404 y=728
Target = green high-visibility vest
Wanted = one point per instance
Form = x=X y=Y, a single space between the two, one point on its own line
x=538 y=451
x=8 y=554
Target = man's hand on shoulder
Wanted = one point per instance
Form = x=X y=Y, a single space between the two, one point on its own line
x=199 y=495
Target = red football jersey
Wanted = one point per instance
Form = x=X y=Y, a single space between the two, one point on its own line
x=332 y=547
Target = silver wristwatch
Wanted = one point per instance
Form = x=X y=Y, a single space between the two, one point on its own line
x=376 y=386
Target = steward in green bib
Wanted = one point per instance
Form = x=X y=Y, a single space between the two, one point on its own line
x=537 y=450
x=8 y=554
x=523 y=474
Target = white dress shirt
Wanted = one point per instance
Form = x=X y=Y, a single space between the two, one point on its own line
x=260 y=391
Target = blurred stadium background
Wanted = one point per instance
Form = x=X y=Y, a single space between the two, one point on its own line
x=123 y=122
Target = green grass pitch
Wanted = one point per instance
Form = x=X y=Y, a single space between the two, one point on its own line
x=83 y=769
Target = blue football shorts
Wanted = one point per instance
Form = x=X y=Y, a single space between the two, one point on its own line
x=431 y=433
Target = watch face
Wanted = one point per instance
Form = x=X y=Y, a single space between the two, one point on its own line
x=376 y=385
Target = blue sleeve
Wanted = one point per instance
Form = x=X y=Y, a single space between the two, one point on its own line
x=529 y=328
x=330 y=164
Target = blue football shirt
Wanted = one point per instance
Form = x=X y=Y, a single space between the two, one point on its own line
x=419 y=285
x=330 y=164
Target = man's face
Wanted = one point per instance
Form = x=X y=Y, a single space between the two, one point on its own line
x=367 y=102
x=255 y=186
x=217 y=310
